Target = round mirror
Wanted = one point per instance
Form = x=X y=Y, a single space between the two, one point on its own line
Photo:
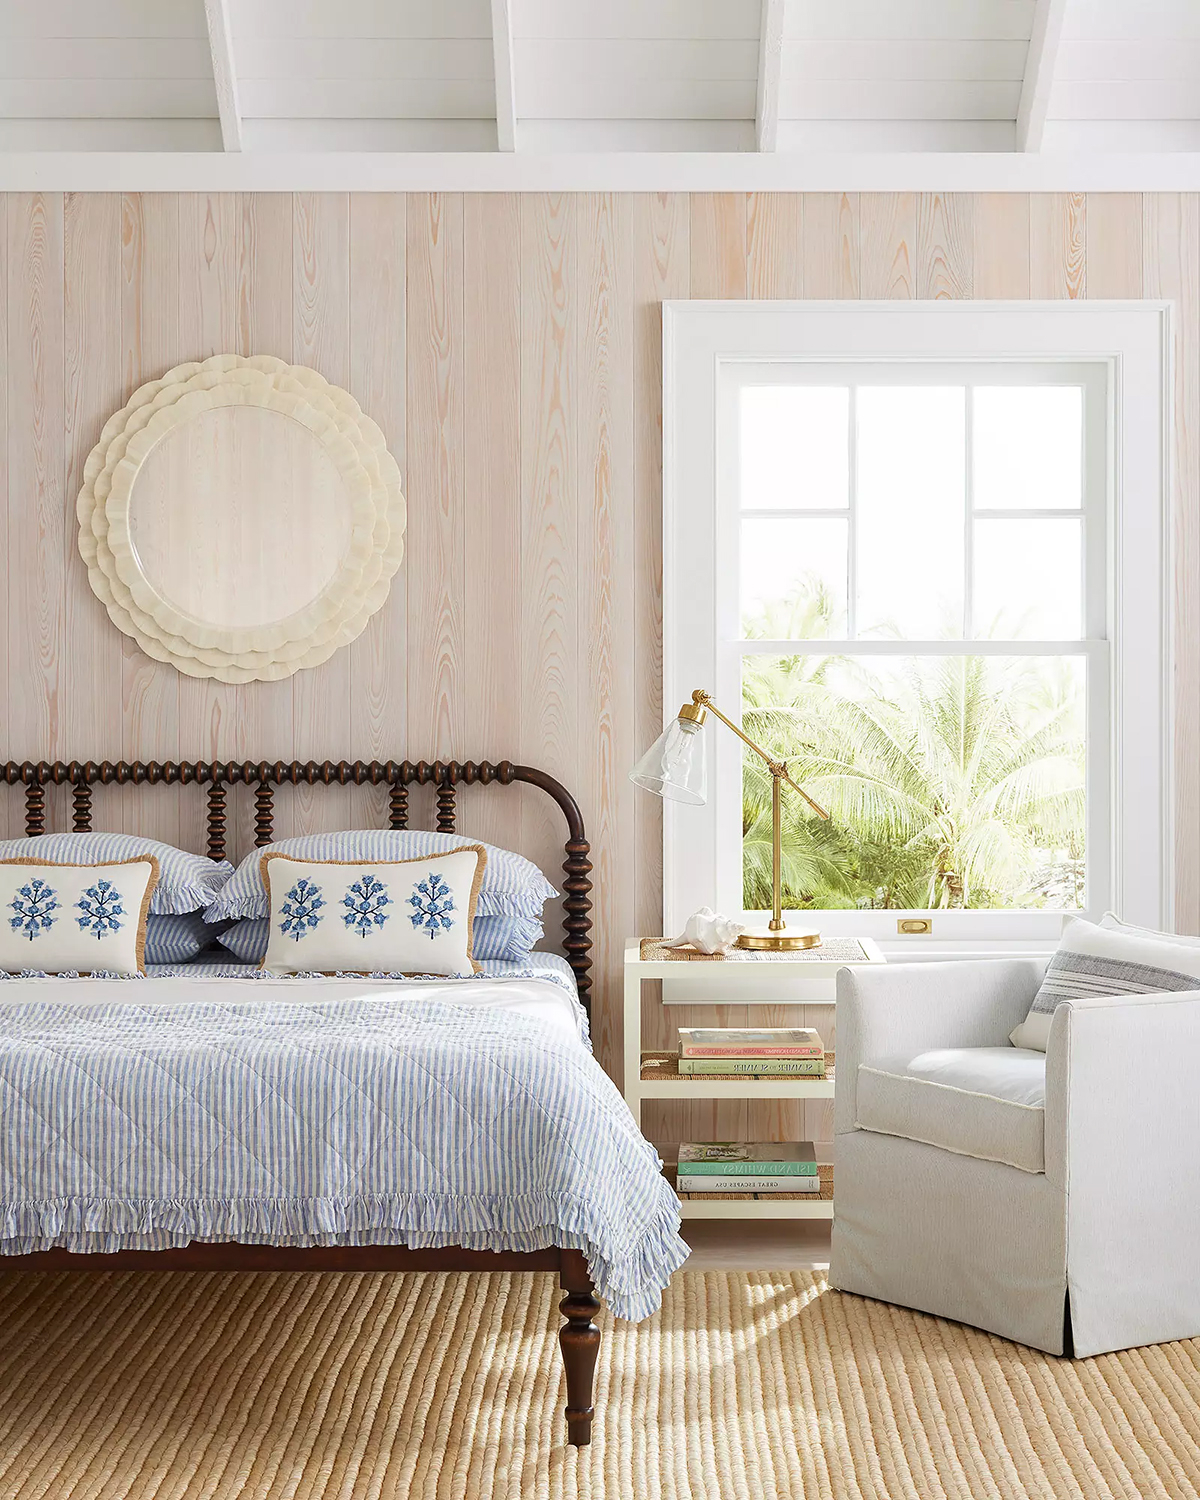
x=241 y=518
x=219 y=501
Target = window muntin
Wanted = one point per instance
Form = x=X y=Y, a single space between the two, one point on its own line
x=964 y=521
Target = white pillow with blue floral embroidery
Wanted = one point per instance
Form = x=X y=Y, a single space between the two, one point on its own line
x=57 y=918
x=411 y=916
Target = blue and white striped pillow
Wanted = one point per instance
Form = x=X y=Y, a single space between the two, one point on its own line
x=491 y=938
x=512 y=886
x=186 y=882
x=176 y=939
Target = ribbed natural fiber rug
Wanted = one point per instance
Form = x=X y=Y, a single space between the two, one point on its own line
x=756 y=1385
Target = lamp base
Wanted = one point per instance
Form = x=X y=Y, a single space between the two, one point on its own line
x=789 y=940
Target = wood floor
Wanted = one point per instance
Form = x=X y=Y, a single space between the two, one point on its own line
x=724 y=1245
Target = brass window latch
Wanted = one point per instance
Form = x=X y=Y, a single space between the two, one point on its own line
x=914 y=926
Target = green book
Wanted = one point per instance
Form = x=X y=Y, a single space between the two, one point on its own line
x=763 y=1067
x=747 y=1159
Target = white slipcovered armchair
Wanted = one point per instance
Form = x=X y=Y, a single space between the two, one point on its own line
x=1054 y=1199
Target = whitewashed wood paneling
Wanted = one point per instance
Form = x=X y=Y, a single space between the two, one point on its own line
x=510 y=348
x=723 y=20
x=414 y=19
x=298 y=57
x=1118 y=20
x=898 y=99
x=103 y=18
x=111 y=58
x=856 y=59
x=642 y=58
x=98 y=98
x=367 y=98
x=929 y=20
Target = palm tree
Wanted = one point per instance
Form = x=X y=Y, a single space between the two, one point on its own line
x=950 y=780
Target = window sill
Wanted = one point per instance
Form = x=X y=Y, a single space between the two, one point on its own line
x=942 y=950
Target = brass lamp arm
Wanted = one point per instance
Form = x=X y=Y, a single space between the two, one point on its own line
x=777 y=768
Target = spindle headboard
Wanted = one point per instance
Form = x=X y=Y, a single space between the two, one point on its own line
x=265 y=776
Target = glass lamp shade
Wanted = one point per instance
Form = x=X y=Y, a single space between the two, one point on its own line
x=674 y=766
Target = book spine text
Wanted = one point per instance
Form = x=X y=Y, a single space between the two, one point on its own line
x=780 y=1067
x=690 y=1184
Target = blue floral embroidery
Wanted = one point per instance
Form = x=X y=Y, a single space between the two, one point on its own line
x=33 y=905
x=364 y=905
x=301 y=909
x=101 y=908
x=432 y=904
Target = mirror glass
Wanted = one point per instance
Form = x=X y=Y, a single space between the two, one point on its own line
x=239 y=517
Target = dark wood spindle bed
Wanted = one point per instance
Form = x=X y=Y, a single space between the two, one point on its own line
x=579 y=1337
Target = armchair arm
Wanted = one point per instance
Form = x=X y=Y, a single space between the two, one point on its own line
x=883 y=1013
x=1122 y=1076
x=1122 y=1143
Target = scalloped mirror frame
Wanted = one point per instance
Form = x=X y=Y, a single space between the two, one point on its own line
x=312 y=633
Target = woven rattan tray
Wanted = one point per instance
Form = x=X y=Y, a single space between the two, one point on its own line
x=836 y=950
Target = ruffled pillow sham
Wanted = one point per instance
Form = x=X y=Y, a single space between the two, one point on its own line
x=176 y=939
x=512 y=885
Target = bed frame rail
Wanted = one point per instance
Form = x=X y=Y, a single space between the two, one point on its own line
x=265 y=776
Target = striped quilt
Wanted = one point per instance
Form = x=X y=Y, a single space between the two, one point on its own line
x=319 y=1112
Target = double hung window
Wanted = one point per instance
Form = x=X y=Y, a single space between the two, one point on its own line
x=908 y=567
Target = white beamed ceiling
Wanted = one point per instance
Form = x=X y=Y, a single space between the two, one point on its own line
x=401 y=76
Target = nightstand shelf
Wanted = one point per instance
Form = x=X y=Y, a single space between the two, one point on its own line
x=661 y=1079
x=760 y=1205
x=804 y=978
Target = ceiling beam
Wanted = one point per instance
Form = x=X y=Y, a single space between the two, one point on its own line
x=770 y=56
x=1039 y=73
x=220 y=45
x=599 y=172
x=506 y=88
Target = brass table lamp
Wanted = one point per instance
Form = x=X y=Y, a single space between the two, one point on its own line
x=674 y=766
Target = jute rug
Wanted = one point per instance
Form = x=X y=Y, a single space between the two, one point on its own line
x=756 y=1385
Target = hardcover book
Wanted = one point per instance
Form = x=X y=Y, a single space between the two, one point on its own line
x=747 y=1159
x=711 y=1041
x=697 y=1183
x=764 y=1067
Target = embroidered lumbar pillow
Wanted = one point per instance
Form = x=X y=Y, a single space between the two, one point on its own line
x=510 y=938
x=1092 y=961
x=57 y=918
x=512 y=886
x=411 y=916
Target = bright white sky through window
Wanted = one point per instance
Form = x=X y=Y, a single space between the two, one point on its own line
x=905 y=477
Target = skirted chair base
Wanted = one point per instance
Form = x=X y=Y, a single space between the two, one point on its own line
x=1085 y=1237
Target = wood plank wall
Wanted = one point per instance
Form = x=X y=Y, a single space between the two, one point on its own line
x=509 y=348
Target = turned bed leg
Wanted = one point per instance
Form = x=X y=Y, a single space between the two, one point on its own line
x=580 y=1343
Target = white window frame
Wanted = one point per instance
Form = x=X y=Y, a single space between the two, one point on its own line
x=1126 y=346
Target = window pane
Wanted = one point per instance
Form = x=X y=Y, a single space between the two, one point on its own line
x=794 y=579
x=911 y=451
x=795 y=447
x=952 y=782
x=1028 y=580
x=1028 y=444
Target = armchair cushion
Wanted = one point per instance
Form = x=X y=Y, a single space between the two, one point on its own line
x=985 y=1102
x=1091 y=961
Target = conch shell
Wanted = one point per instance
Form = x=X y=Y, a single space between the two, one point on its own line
x=708 y=932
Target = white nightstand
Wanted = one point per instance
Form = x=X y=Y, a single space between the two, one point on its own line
x=805 y=978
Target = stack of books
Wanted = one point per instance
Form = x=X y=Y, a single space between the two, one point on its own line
x=747 y=1167
x=775 y=1052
